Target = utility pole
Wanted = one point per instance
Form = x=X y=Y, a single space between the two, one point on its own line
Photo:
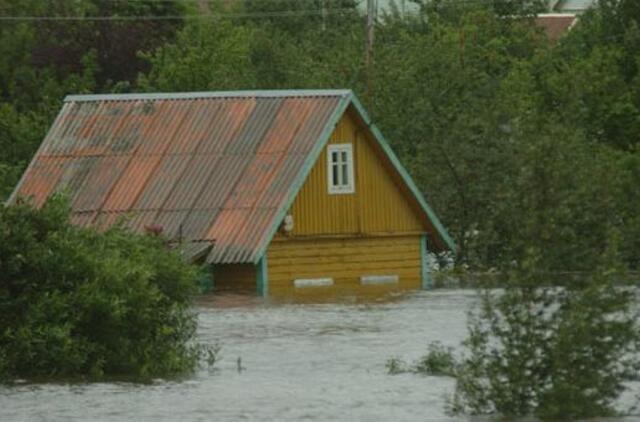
x=368 y=53
x=203 y=7
x=324 y=15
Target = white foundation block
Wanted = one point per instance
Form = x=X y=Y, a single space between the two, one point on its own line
x=379 y=279
x=313 y=282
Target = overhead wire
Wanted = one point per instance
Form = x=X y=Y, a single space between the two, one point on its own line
x=282 y=13
x=211 y=15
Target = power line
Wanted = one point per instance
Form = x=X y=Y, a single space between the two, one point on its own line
x=275 y=14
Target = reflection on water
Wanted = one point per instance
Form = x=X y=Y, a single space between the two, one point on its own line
x=314 y=362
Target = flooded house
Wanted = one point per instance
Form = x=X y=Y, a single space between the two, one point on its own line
x=281 y=192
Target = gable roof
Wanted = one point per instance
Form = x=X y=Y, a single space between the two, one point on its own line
x=208 y=168
x=555 y=25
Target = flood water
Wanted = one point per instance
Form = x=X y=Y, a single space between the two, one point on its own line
x=302 y=362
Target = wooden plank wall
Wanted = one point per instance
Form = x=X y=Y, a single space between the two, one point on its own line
x=344 y=260
x=239 y=278
x=378 y=205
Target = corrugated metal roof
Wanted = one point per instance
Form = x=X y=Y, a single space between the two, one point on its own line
x=209 y=168
x=216 y=170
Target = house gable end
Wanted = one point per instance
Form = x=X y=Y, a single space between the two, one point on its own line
x=377 y=205
x=440 y=235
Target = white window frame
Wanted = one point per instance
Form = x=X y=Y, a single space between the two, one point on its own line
x=342 y=150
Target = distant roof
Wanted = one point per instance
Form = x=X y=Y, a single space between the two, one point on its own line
x=576 y=5
x=206 y=167
x=555 y=25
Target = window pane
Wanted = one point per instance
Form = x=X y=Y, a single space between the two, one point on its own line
x=344 y=157
x=334 y=176
x=345 y=174
x=334 y=157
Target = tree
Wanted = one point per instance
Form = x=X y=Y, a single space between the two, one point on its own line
x=557 y=353
x=74 y=302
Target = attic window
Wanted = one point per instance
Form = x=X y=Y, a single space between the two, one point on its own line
x=340 y=168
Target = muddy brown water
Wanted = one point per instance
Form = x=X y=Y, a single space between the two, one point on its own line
x=302 y=362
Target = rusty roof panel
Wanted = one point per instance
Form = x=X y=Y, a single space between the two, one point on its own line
x=222 y=180
x=83 y=219
x=255 y=127
x=289 y=119
x=191 y=182
x=206 y=167
x=277 y=190
x=42 y=178
x=161 y=183
x=238 y=236
x=231 y=120
x=103 y=175
x=138 y=220
x=196 y=129
x=197 y=223
x=254 y=181
x=129 y=186
x=171 y=223
x=195 y=250
x=74 y=175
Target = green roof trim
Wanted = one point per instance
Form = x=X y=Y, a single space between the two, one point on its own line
x=349 y=98
x=424 y=263
x=262 y=277
x=405 y=175
x=208 y=94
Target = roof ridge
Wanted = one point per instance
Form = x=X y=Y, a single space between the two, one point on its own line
x=210 y=94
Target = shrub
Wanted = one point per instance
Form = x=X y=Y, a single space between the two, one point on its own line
x=74 y=302
x=438 y=361
x=396 y=366
x=558 y=353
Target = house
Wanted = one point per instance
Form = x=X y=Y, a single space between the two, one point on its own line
x=281 y=191
x=556 y=25
x=570 y=6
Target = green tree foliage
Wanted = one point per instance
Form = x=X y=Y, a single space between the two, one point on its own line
x=205 y=56
x=41 y=61
x=77 y=303
x=557 y=353
x=38 y=52
x=496 y=124
x=453 y=133
x=298 y=17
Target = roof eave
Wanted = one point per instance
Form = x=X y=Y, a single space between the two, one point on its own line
x=207 y=94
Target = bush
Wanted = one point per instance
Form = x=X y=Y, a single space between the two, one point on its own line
x=439 y=361
x=557 y=353
x=74 y=302
x=396 y=366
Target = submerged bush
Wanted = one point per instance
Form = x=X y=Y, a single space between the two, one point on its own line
x=557 y=353
x=439 y=361
x=74 y=302
x=396 y=366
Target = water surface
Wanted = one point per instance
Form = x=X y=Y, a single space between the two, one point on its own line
x=303 y=362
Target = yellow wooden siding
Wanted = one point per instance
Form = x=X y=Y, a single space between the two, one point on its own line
x=239 y=278
x=345 y=261
x=377 y=206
